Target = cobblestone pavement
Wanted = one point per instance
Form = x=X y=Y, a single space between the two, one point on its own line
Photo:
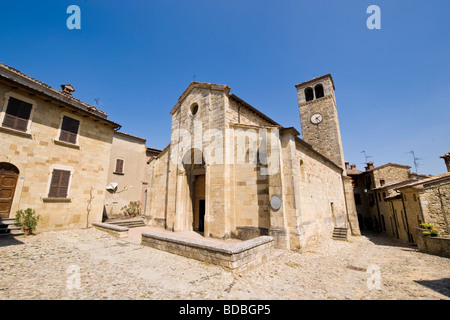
x=38 y=267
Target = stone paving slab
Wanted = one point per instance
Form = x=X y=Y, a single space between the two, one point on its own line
x=42 y=267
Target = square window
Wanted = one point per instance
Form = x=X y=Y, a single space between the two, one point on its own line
x=69 y=130
x=17 y=114
x=59 y=185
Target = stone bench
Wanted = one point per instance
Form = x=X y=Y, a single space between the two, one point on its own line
x=235 y=257
x=114 y=230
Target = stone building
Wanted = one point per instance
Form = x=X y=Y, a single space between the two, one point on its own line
x=55 y=152
x=368 y=198
x=128 y=173
x=231 y=171
x=392 y=200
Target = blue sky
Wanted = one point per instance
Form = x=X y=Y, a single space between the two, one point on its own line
x=137 y=57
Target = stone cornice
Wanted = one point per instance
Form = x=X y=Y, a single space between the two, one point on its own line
x=330 y=96
x=316 y=80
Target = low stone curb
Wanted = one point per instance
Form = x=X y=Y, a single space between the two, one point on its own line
x=116 y=231
x=236 y=257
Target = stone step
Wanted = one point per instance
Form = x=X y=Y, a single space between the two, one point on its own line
x=340 y=234
x=129 y=223
x=7 y=221
x=12 y=234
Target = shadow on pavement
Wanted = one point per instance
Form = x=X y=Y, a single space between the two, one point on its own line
x=440 y=285
x=9 y=241
x=387 y=240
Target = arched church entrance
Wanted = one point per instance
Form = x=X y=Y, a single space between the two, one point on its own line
x=8 y=181
x=194 y=164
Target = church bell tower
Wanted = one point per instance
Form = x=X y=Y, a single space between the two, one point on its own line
x=319 y=119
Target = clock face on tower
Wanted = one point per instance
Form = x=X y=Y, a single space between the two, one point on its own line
x=316 y=118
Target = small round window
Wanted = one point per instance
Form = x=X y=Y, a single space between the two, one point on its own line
x=194 y=109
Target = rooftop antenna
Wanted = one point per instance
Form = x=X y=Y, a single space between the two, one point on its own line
x=97 y=102
x=415 y=160
x=366 y=157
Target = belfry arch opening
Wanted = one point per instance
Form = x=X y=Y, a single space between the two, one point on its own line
x=309 y=94
x=319 y=91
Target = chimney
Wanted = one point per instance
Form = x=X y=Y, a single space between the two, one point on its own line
x=446 y=158
x=67 y=89
x=369 y=166
x=347 y=165
x=353 y=167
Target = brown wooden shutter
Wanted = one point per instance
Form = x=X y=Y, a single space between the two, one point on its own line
x=119 y=166
x=53 y=193
x=59 y=184
x=17 y=114
x=64 y=184
x=69 y=130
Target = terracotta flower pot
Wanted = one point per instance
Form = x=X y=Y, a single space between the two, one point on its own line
x=28 y=231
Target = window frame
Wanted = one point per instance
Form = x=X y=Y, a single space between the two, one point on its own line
x=61 y=120
x=69 y=184
x=20 y=97
x=123 y=166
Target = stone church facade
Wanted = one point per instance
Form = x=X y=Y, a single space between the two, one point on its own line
x=231 y=171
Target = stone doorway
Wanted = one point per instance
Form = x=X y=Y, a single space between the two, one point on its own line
x=195 y=207
x=199 y=203
x=8 y=181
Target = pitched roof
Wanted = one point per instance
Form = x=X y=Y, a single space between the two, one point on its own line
x=13 y=75
x=441 y=177
x=390 y=164
x=394 y=184
x=130 y=136
x=353 y=172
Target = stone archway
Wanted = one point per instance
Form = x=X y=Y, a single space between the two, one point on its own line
x=9 y=175
x=194 y=166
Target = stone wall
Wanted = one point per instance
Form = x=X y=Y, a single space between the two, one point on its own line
x=435 y=202
x=38 y=152
x=321 y=198
x=237 y=257
x=433 y=245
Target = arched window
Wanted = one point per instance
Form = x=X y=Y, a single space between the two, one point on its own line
x=309 y=94
x=319 y=91
x=194 y=109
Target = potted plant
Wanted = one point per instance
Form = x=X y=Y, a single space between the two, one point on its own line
x=27 y=220
x=132 y=209
x=428 y=226
x=434 y=233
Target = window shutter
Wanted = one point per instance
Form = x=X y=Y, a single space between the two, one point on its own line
x=64 y=184
x=69 y=130
x=59 y=184
x=9 y=121
x=119 y=166
x=17 y=114
x=53 y=193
